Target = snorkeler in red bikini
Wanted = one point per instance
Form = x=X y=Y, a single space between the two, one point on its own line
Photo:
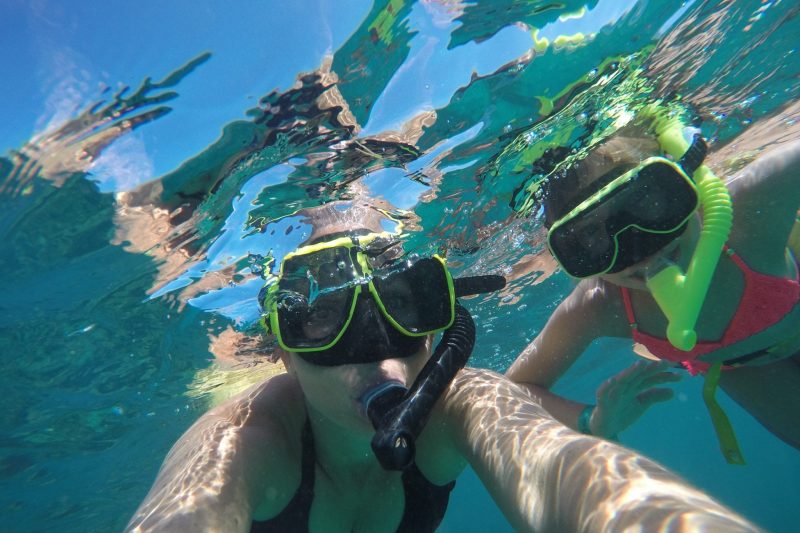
x=626 y=221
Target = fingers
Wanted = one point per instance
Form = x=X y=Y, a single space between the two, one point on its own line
x=606 y=389
x=652 y=396
x=639 y=377
x=644 y=374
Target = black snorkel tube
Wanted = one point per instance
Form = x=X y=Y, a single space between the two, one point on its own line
x=399 y=415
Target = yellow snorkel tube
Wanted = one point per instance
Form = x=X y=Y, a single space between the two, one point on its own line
x=681 y=295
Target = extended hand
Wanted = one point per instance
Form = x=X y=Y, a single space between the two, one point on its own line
x=623 y=398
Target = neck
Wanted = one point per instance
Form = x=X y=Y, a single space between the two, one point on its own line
x=344 y=454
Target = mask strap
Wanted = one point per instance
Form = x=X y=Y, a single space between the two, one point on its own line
x=468 y=286
x=694 y=155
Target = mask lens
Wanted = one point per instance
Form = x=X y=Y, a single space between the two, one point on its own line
x=315 y=296
x=656 y=199
x=583 y=247
x=419 y=298
x=659 y=198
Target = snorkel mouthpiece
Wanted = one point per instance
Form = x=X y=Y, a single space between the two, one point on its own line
x=399 y=416
x=681 y=295
x=395 y=448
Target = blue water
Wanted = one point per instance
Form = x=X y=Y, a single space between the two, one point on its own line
x=116 y=292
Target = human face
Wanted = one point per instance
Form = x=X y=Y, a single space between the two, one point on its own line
x=337 y=392
x=677 y=252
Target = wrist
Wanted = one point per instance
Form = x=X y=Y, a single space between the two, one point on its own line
x=584 y=420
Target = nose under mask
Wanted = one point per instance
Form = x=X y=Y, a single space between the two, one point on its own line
x=369 y=338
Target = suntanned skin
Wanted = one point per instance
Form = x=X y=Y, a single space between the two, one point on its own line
x=242 y=460
x=766 y=197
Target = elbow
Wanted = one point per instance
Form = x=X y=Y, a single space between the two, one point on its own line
x=523 y=373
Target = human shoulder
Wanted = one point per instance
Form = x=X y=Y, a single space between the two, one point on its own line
x=277 y=401
x=478 y=398
x=441 y=447
x=268 y=420
x=765 y=202
x=438 y=455
x=595 y=305
x=217 y=473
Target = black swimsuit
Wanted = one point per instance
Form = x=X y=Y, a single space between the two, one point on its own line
x=424 y=508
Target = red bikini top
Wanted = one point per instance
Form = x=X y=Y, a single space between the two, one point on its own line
x=765 y=301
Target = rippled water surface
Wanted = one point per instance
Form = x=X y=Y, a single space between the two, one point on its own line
x=153 y=155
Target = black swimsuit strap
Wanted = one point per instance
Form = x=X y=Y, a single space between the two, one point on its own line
x=425 y=503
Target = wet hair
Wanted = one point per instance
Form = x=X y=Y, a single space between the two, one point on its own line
x=568 y=187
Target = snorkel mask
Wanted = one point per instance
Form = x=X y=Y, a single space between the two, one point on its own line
x=627 y=220
x=332 y=298
x=641 y=211
x=346 y=301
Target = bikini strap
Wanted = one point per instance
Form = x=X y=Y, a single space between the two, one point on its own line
x=694 y=155
x=626 y=299
x=736 y=259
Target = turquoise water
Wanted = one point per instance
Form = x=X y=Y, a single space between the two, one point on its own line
x=117 y=295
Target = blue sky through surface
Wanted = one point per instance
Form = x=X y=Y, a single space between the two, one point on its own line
x=59 y=56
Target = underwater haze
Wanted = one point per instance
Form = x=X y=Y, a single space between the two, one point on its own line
x=153 y=155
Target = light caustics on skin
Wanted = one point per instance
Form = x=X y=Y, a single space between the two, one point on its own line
x=614 y=489
x=314 y=128
x=185 y=494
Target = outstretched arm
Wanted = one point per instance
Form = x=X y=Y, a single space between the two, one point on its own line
x=545 y=477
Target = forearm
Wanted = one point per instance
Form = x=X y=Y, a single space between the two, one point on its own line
x=546 y=477
x=562 y=409
x=541 y=367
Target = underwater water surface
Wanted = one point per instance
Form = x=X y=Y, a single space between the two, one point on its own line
x=153 y=155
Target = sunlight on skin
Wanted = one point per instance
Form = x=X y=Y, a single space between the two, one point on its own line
x=205 y=473
x=544 y=476
x=612 y=487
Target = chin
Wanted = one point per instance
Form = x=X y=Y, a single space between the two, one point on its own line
x=629 y=281
x=633 y=277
